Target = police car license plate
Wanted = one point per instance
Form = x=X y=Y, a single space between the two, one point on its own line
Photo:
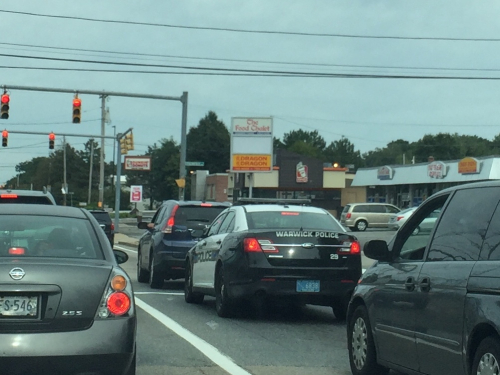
x=308 y=286
x=18 y=306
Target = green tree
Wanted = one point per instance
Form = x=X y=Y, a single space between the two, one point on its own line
x=342 y=152
x=396 y=152
x=311 y=137
x=209 y=142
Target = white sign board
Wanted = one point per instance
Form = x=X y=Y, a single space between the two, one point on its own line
x=137 y=163
x=135 y=193
x=251 y=144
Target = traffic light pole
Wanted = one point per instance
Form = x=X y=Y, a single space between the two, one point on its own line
x=183 y=99
x=118 y=183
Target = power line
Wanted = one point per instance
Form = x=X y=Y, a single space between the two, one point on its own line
x=251 y=61
x=357 y=36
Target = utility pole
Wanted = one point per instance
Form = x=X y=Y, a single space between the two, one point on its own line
x=65 y=188
x=182 y=166
x=101 y=167
x=91 y=165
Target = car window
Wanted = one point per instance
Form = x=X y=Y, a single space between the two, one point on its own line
x=27 y=199
x=292 y=220
x=377 y=209
x=227 y=223
x=157 y=214
x=346 y=209
x=47 y=236
x=412 y=240
x=102 y=217
x=463 y=225
x=186 y=215
x=392 y=210
x=491 y=244
x=214 y=228
x=360 y=208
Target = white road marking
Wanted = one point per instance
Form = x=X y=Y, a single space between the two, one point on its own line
x=211 y=352
x=125 y=249
x=163 y=293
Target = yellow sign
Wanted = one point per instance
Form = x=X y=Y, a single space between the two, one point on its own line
x=468 y=165
x=252 y=162
x=181 y=182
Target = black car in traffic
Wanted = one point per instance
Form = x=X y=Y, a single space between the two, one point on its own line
x=163 y=247
x=104 y=219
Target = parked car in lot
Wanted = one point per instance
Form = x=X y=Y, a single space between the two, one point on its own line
x=429 y=304
x=359 y=216
x=266 y=253
x=26 y=196
x=105 y=222
x=163 y=247
x=398 y=219
x=66 y=307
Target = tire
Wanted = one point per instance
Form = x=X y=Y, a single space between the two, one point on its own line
x=142 y=274
x=361 y=225
x=487 y=358
x=189 y=295
x=156 y=279
x=362 y=354
x=339 y=310
x=223 y=303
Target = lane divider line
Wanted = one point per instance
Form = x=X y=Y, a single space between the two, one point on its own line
x=209 y=351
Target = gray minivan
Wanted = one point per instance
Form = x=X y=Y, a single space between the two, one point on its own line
x=430 y=304
x=359 y=216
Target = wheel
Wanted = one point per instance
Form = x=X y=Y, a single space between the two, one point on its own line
x=155 y=277
x=189 y=295
x=133 y=365
x=223 y=303
x=142 y=274
x=361 y=225
x=339 y=310
x=362 y=354
x=487 y=358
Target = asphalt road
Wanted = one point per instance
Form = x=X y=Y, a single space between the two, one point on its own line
x=176 y=338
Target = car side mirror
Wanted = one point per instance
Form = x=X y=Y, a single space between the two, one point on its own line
x=377 y=249
x=143 y=225
x=197 y=233
x=121 y=256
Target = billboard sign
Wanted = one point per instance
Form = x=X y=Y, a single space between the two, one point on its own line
x=137 y=163
x=251 y=144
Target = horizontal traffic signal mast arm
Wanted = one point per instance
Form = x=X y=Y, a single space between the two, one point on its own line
x=94 y=92
x=66 y=134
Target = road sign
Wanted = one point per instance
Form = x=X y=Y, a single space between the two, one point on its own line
x=195 y=163
x=135 y=193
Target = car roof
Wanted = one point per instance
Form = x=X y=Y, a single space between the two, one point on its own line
x=280 y=207
x=47 y=210
x=199 y=203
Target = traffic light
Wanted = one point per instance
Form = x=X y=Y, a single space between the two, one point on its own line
x=77 y=110
x=52 y=138
x=4 y=110
x=129 y=141
x=123 y=146
x=5 y=138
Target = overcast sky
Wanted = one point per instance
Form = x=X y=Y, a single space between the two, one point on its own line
x=309 y=38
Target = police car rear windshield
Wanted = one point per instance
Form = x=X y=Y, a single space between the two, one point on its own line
x=292 y=220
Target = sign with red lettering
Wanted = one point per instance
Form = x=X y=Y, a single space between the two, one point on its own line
x=137 y=163
x=436 y=169
x=469 y=166
x=135 y=193
x=301 y=174
x=251 y=144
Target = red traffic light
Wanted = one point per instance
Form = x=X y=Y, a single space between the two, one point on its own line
x=5 y=98
x=52 y=136
x=5 y=134
x=76 y=102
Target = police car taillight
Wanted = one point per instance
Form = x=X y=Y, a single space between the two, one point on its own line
x=352 y=247
x=251 y=245
x=171 y=221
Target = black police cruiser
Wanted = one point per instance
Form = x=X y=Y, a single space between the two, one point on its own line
x=262 y=252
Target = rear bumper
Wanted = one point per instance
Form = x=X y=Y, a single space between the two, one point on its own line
x=107 y=348
x=171 y=267
x=330 y=291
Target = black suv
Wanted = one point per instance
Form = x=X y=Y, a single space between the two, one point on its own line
x=162 y=249
x=105 y=222
x=430 y=304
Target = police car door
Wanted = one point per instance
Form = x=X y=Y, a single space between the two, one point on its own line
x=203 y=253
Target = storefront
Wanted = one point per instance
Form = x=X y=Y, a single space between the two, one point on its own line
x=410 y=184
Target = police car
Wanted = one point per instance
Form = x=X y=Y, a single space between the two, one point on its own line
x=280 y=251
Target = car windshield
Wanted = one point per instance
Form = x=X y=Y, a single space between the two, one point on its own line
x=29 y=199
x=186 y=215
x=292 y=220
x=47 y=236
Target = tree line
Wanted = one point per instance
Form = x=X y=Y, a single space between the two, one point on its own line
x=209 y=141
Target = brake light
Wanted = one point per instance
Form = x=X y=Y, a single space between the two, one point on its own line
x=16 y=251
x=171 y=221
x=355 y=248
x=290 y=213
x=206 y=205
x=348 y=215
x=399 y=218
x=112 y=226
x=118 y=303
x=251 y=245
x=8 y=196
